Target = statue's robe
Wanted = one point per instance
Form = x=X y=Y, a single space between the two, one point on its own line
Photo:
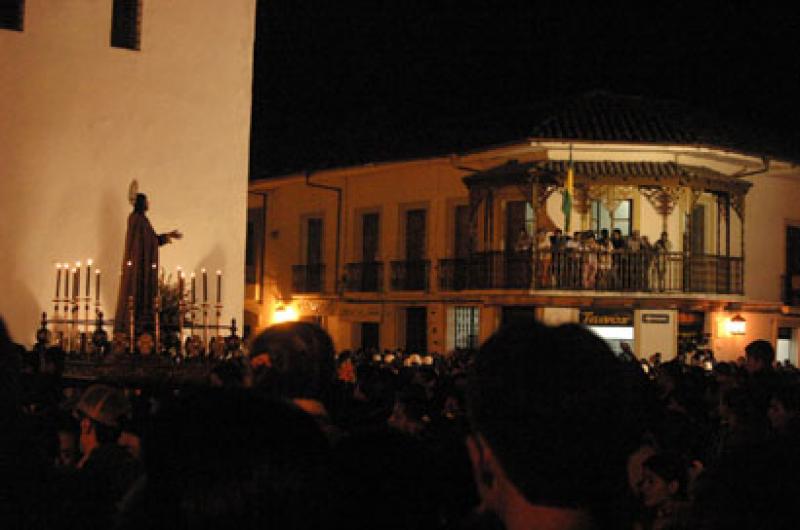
x=140 y=279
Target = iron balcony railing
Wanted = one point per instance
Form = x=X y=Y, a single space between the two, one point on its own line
x=308 y=278
x=649 y=271
x=365 y=277
x=410 y=275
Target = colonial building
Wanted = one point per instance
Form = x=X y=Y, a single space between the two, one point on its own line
x=435 y=253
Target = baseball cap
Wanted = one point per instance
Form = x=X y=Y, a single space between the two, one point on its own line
x=104 y=404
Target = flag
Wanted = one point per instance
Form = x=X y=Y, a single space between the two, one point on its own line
x=566 y=196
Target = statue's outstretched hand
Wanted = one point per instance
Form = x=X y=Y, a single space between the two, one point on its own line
x=175 y=235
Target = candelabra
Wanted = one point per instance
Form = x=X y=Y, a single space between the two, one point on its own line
x=218 y=342
x=205 y=327
x=181 y=316
x=131 y=326
x=157 y=322
x=58 y=333
x=74 y=326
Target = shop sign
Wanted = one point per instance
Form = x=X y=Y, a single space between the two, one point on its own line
x=609 y=317
x=655 y=318
x=313 y=307
x=361 y=312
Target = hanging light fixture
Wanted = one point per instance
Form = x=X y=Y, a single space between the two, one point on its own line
x=737 y=325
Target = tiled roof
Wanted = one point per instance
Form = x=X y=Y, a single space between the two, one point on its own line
x=604 y=117
x=617 y=169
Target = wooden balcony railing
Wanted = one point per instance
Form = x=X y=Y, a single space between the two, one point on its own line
x=308 y=278
x=365 y=277
x=410 y=275
x=670 y=272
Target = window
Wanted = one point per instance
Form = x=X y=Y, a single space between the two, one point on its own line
x=126 y=24
x=620 y=218
x=467 y=322
x=461 y=236
x=12 y=14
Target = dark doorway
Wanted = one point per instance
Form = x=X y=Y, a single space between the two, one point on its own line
x=416 y=330
x=370 y=230
x=313 y=278
x=698 y=230
x=792 y=281
x=416 y=267
x=370 y=336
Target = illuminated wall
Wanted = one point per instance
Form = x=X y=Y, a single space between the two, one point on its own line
x=79 y=120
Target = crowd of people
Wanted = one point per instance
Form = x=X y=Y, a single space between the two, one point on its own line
x=599 y=260
x=542 y=427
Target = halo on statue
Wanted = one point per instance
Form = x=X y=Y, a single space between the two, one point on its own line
x=133 y=190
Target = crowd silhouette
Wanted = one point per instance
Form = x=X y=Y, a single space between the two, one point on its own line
x=542 y=427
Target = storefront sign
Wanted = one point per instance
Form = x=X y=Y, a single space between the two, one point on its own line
x=655 y=318
x=361 y=312
x=601 y=317
x=313 y=307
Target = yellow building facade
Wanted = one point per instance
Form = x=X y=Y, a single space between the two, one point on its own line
x=422 y=254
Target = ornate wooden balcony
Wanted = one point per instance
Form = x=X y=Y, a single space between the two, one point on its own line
x=364 y=277
x=671 y=272
x=308 y=278
x=410 y=275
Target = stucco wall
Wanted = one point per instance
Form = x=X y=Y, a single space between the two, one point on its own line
x=80 y=119
x=771 y=204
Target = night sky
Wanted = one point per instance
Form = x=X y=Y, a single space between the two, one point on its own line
x=342 y=82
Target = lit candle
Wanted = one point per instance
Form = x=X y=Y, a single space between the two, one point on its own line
x=194 y=298
x=88 y=276
x=205 y=285
x=76 y=289
x=154 y=267
x=97 y=285
x=66 y=280
x=58 y=280
x=180 y=284
x=74 y=273
x=219 y=287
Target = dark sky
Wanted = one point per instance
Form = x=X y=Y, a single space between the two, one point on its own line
x=336 y=76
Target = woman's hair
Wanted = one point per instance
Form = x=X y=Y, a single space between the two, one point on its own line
x=294 y=360
x=140 y=205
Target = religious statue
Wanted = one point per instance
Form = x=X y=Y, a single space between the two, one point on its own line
x=139 y=280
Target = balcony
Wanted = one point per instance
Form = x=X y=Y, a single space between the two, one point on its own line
x=672 y=272
x=308 y=278
x=365 y=277
x=410 y=275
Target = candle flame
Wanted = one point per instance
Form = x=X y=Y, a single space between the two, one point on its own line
x=203 y=271
x=179 y=268
x=130 y=263
x=77 y=264
x=153 y=266
x=58 y=265
x=219 y=273
x=192 y=274
x=97 y=272
x=89 y=262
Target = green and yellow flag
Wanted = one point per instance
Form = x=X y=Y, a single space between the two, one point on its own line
x=566 y=196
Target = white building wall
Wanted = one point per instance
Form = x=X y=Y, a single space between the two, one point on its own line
x=771 y=205
x=79 y=120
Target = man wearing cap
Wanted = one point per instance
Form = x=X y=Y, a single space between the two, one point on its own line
x=108 y=470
